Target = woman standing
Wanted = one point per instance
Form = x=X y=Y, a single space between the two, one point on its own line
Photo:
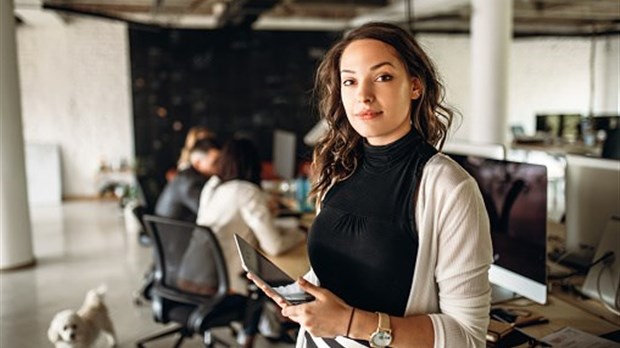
x=400 y=249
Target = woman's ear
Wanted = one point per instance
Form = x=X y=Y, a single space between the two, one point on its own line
x=416 y=88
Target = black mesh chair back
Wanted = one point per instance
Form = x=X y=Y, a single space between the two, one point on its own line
x=191 y=285
x=189 y=259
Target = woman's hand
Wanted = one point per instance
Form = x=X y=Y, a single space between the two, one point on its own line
x=326 y=316
x=267 y=290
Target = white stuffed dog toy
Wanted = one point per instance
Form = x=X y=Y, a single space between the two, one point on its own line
x=81 y=329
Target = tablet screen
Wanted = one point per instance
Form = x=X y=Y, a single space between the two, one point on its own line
x=255 y=262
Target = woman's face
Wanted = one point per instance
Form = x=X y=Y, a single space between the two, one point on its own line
x=376 y=91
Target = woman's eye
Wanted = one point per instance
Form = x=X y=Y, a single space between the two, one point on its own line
x=384 y=77
x=347 y=82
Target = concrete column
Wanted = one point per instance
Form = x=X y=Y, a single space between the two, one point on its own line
x=15 y=232
x=607 y=76
x=491 y=35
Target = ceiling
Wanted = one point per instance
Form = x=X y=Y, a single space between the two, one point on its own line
x=531 y=17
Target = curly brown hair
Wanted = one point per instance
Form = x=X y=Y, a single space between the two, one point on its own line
x=335 y=156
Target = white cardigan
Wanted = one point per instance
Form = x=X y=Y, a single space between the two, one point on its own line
x=241 y=207
x=450 y=282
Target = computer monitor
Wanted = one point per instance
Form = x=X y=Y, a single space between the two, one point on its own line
x=515 y=196
x=486 y=150
x=284 y=153
x=566 y=127
x=592 y=198
x=605 y=122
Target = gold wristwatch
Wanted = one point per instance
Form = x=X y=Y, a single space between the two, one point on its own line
x=382 y=337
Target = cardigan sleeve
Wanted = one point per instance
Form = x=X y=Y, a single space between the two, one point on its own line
x=464 y=253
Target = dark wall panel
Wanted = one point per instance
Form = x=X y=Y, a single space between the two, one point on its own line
x=230 y=81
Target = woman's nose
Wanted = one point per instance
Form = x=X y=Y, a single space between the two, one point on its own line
x=364 y=93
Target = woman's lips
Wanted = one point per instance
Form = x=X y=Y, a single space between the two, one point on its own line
x=368 y=114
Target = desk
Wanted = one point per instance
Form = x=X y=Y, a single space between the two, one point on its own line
x=294 y=262
x=562 y=313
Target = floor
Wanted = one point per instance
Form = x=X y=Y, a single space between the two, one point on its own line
x=80 y=245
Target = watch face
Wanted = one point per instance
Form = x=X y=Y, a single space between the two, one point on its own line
x=381 y=339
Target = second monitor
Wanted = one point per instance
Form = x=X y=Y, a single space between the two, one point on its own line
x=515 y=196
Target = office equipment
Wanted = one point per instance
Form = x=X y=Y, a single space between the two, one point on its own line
x=191 y=285
x=571 y=337
x=605 y=122
x=603 y=279
x=515 y=196
x=592 y=197
x=269 y=274
x=611 y=145
x=465 y=148
x=519 y=136
x=564 y=127
x=284 y=145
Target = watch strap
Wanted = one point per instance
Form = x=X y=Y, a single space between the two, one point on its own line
x=382 y=337
x=384 y=322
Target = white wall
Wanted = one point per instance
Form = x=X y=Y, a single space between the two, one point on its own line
x=75 y=81
x=546 y=75
x=75 y=84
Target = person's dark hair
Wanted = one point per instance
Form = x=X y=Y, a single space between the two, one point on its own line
x=205 y=145
x=239 y=160
x=337 y=153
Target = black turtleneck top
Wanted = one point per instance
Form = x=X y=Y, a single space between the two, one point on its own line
x=363 y=245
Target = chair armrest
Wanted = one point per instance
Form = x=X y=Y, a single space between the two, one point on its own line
x=198 y=316
x=230 y=307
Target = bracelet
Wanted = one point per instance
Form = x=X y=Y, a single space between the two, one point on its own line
x=350 y=321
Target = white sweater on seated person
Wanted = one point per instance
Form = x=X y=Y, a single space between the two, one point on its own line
x=241 y=207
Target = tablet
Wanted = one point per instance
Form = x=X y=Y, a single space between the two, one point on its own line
x=253 y=261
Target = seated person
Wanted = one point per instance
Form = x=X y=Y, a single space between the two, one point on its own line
x=179 y=199
x=232 y=201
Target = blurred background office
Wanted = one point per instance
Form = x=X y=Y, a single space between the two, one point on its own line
x=176 y=65
x=104 y=93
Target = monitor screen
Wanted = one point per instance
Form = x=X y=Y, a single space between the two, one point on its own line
x=592 y=198
x=515 y=196
x=284 y=143
x=566 y=127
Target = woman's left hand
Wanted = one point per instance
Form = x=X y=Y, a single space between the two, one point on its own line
x=326 y=316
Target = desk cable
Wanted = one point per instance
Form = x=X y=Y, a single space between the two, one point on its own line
x=607 y=256
x=532 y=341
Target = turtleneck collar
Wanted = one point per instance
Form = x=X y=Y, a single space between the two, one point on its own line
x=382 y=157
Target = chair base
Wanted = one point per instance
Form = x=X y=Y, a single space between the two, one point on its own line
x=177 y=329
x=209 y=339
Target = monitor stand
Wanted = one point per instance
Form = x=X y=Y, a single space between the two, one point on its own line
x=501 y=295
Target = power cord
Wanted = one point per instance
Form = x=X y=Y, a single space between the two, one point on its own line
x=608 y=255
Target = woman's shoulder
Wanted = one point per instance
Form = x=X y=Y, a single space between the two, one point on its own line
x=442 y=169
x=242 y=187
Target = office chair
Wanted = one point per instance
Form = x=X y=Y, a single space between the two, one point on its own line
x=145 y=205
x=191 y=286
x=147 y=197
